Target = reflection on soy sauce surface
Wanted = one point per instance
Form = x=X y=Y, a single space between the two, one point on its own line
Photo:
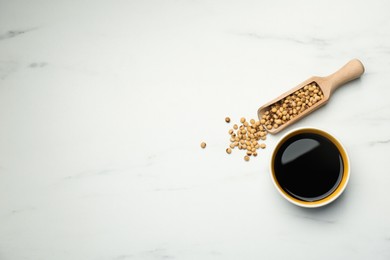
x=308 y=166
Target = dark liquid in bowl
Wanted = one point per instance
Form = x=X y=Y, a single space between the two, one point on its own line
x=308 y=166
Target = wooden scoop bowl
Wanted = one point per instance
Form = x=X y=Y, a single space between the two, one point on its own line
x=350 y=71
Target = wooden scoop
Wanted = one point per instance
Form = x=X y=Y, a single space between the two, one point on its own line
x=350 y=71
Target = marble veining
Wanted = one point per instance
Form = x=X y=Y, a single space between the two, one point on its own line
x=14 y=33
x=37 y=64
x=317 y=42
x=380 y=142
x=103 y=105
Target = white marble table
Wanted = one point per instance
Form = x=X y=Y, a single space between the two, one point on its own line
x=103 y=105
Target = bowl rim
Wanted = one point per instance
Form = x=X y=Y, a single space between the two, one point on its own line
x=347 y=168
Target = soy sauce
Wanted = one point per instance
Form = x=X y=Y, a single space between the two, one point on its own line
x=308 y=166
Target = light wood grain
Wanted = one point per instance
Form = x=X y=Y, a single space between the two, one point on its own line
x=350 y=71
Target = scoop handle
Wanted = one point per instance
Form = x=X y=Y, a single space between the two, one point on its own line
x=350 y=71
